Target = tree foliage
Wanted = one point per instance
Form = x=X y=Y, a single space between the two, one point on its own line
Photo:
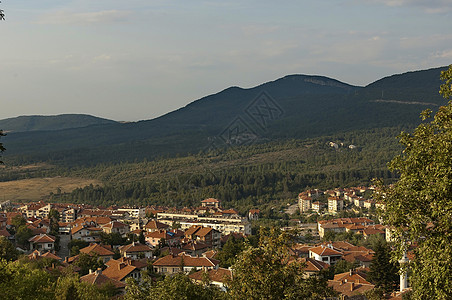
x=268 y=272
x=383 y=272
x=176 y=287
x=88 y=262
x=419 y=204
x=7 y=250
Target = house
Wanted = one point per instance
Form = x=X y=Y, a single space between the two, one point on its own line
x=42 y=242
x=100 y=280
x=116 y=227
x=313 y=267
x=36 y=255
x=253 y=214
x=206 y=235
x=195 y=248
x=218 y=277
x=167 y=237
x=103 y=252
x=211 y=202
x=85 y=233
x=351 y=283
x=325 y=254
x=154 y=225
x=136 y=251
x=120 y=270
x=172 y=264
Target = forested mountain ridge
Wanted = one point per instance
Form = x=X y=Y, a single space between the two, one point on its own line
x=57 y=122
x=298 y=106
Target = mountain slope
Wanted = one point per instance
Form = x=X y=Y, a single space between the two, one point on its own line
x=58 y=122
x=295 y=106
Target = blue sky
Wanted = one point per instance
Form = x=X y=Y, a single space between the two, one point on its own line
x=133 y=60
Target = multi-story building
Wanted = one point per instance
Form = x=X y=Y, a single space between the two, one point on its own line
x=335 y=204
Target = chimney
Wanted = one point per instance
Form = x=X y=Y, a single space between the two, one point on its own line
x=99 y=271
x=90 y=271
x=352 y=286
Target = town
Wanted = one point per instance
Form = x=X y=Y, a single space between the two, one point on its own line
x=115 y=243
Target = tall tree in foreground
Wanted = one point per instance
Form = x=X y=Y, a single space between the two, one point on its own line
x=268 y=272
x=419 y=205
x=383 y=272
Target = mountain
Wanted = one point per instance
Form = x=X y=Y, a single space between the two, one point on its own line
x=295 y=106
x=58 y=122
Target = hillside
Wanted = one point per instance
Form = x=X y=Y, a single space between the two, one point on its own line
x=295 y=106
x=58 y=122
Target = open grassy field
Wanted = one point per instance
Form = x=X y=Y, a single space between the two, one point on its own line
x=35 y=189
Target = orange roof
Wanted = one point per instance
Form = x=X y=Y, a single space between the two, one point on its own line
x=51 y=255
x=97 y=249
x=352 y=276
x=115 y=224
x=204 y=231
x=118 y=270
x=153 y=224
x=135 y=247
x=325 y=251
x=210 y=200
x=188 y=260
x=100 y=279
x=312 y=265
x=350 y=288
x=42 y=238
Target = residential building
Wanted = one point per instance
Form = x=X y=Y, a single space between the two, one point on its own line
x=136 y=251
x=335 y=204
x=326 y=254
x=42 y=242
x=172 y=264
x=217 y=277
x=304 y=202
x=102 y=251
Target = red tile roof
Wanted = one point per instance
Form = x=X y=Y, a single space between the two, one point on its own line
x=325 y=251
x=188 y=260
x=135 y=247
x=42 y=238
x=100 y=279
x=97 y=249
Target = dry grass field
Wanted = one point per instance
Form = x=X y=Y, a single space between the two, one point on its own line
x=35 y=189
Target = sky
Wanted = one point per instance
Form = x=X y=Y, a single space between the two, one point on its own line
x=139 y=59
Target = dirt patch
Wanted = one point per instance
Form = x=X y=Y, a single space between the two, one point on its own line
x=36 y=188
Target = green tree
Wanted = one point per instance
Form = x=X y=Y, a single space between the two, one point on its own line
x=23 y=234
x=176 y=287
x=20 y=281
x=228 y=254
x=142 y=238
x=418 y=206
x=7 y=250
x=88 y=262
x=70 y=288
x=18 y=221
x=75 y=246
x=267 y=272
x=383 y=272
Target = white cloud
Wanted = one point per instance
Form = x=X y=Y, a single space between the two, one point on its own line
x=428 y=6
x=444 y=54
x=66 y=17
